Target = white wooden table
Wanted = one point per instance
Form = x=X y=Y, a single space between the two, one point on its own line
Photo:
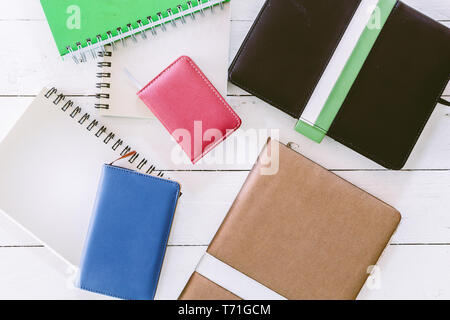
x=416 y=264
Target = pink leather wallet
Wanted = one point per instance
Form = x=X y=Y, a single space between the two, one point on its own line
x=190 y=108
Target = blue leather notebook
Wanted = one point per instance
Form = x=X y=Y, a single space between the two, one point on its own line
x=128 y=233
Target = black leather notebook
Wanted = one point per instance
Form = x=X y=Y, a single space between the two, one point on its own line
x=288 y=48
x=375 y=97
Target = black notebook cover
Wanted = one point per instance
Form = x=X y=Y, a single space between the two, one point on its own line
x=291 y=43
x=288 y=49
x=397 y=89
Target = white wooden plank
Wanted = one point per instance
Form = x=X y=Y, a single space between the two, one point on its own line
x=179 y=263
x=21 y=10
x=30 y=61
x=431 y=151
x=242 y=10
x=420 y=196
x=447 y=92
x=436 y=9
x=412 y=272
x=405 y=272
x=33 y=63
x=239 y=30
x=10 y=111
x=13 y=235
x=35 y=273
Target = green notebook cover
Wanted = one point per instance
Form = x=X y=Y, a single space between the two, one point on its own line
x=73 y=22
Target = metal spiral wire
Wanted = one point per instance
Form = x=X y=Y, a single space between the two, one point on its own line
x=100 y=131
x=79 y=55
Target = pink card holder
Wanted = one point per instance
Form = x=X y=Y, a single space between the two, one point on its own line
x=190 y=108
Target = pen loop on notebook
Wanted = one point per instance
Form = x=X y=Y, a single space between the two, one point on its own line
x=133 y=80
x=293 y=146
x=178 y=12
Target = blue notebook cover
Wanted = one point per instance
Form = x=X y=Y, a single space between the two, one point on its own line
x=128 y=234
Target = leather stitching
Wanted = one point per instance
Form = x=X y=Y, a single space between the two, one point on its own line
x=219 y=97
x=106 y=292
x=216 y=93
x=145 y=175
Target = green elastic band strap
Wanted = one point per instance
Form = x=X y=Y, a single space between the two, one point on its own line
x=349 y=74
x=314 y=133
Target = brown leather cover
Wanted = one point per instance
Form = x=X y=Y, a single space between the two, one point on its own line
x=200 y=288
x=304 y=232
x=288 y=49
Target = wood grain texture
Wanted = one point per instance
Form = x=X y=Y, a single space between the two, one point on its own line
x=415 y=266
x=405 y=272
x=420 y=196
x=431 y=152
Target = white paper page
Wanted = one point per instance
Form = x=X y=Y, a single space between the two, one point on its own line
x=206 y=40
x=49 y=171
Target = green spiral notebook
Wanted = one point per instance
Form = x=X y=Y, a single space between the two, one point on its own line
x=82 y=27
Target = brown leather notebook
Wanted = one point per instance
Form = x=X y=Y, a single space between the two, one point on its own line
x=302 y=233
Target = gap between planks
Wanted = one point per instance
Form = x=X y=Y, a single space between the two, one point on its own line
x=93 y=95
x=206 y=245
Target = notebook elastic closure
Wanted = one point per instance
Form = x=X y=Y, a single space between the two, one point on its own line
x=316 y=119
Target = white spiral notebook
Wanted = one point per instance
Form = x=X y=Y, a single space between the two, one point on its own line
x=204 y=37
x=50 y=165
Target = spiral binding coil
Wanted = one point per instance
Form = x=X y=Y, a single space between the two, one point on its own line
x=100 y=131
x=105 y=53
x=193 y=6
x=104 y=84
